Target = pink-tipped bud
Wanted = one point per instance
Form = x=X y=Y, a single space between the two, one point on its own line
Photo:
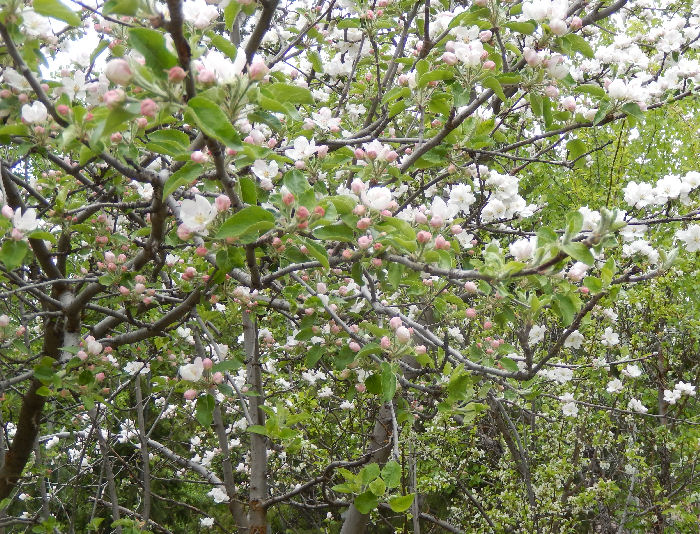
x=364 y=223
x=489 y=65
x=576 y=24
x=423 y=236
x=7 y=212
x=176 y=74
x=207 y=363
x=116 y=137
x=258 y=70
x=62 y=109
x=288 y=199
x=449 y=58
x=395 y=322
x=198 y=156
x=485 y=36
x=118 y=72
x=470 y=287
x=190 y=394
x=471 y=313
x=355 y=347
x=436 y=221
x=183 y=232
x=441 y=243
x=148 y=107
x=222 y=203
x=385 y=343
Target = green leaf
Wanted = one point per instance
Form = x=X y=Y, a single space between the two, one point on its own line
x=565 y=308
x=317 y=251
x=213 y=121
x=574 y=223
x=313 y=356
x=181 y=177
x=284 y=92
x=593 y=283
x=401 y=503
x=366 y=502
x=334 y=232
x=226 y=365
x=493 y=84
x=250 y=219
x=113 y=122
x=508 y=364
x=257 y=429
x=296 y=182
x=231 y=12
x=315 y=60
x=378 y=487
x=579 y=44
x=12 y=253
x=205 y=410
x=576 y=148
x=601 y=113
x=56 y=10
x=536 y=104
x=528 y=28
x=435 y=75
x=590 y=89
x=579 y=252
x=395 y=94
x=388 y=382
x=151 y=44
x=391 y=473
x=249 y=191
x=168 y=142
x=223 y=44
x=633 y=109
x=120 y=7
x=43 y=391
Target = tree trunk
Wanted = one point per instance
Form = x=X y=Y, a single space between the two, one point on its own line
x=379 y=449
x=257 y=514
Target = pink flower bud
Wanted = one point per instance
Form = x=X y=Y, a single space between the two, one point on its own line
x=347 y=254
x=489 y=65
x=118 y=72
x=395 y=322
x=423 y=236
x=190 y=394
x=364 y=223
x=82 y=355
x=198 y=156
x=176 y=74
x=436 y=221
x=217 y=377
x=183 y=232
x=114 y=98
x=322 y=151
x=148 y=107
x=116 y=137
x=385 y=343
x=576 y=24
x=124 y=290
x=359 y=210
x=359 y=154
x=288 y=199
x=258 y=70
x=471 y=313
x=355 y=347
x=302 y=213
x=206 y=76
x=403 y=335
x=207 y=363
x=487 y=324
x=222 y=203
x=364 y=241
x=470 y=287
x=62 y=109
x=441 y=243
x=551 y=91
x=141 y=122
x=7 y=212
x=449 y=58
x=485 y=36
